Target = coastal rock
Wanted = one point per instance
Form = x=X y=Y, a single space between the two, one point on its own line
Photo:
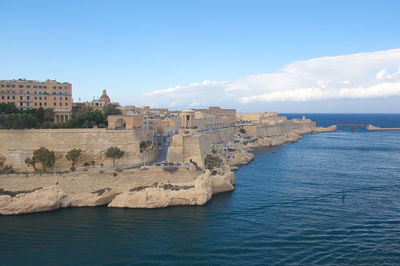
x=44 y=199
x=163 y=195
x=97 y=198
x=325 y=129
x=223 y=183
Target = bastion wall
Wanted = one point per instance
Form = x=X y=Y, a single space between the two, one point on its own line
x=17 y=145
x=271 y=130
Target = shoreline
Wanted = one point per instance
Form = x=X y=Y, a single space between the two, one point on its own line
x=146 y=187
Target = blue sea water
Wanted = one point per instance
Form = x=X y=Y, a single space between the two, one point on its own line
x=287 y=208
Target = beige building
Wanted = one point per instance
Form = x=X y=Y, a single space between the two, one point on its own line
x=31 y=94
x=125 y=121
x=219 y=113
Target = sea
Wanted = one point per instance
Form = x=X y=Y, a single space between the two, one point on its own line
x=328 y=199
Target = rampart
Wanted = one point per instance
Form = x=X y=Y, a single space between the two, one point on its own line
x=196 y=147
x=17 y=145
x=276 y=129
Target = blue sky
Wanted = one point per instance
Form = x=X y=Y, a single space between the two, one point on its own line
x=152 y=52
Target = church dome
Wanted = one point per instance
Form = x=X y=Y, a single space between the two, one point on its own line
x=104 y=97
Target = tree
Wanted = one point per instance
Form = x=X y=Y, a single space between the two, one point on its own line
x=43 y=156
x=242 y=130
x=111 y=109
x=114 y=153
x=73 y=156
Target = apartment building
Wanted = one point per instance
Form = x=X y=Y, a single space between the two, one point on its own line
x=32 y=94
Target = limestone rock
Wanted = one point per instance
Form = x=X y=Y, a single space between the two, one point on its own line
x=44 y=199
x=89 y=199
x=163 y=195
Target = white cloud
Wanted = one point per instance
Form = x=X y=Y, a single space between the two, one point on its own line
x=355 y=76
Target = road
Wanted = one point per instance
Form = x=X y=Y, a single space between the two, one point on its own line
x=162 y=155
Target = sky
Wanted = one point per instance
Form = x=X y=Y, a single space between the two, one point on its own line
x=284 y=56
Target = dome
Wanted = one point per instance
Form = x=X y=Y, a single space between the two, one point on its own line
x=104 y=97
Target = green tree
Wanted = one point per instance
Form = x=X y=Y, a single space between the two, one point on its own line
x=8 y=108
x=43 y=156
x=114 y=153
x=73 y=156
x=111 y=109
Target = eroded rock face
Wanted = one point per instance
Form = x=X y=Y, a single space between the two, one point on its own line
x=163 y=195
x=89 y=199
x=44 y=199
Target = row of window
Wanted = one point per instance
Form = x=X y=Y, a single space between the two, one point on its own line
x=36 y=92
x=42 y=104
x=33 y=86
x=28 y=98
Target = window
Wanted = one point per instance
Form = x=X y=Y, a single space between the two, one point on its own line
x=66 y=98
x=40 y=92
x=45 y=104
x=2 y=97
x=40 y=98
x=13 y=92
x=60 y=93
x=66 y=103
x=35 y=97
x=34 y=86
x=27 y=97
x=54 y=98
x=21 y=103
x=45 y=87
x=45 y=98
x=13 y=86
x=27 y=104
x=60 y=98
x=66 y=87
x=54 y=104
x=20 y=98
x=60 y=87
x=21 y=86
x=35 y=104
x=2 y=85
x=27 y=86
x=13 y=97
x=40 y=104
x=40 y=87
x=54 y=87
x=34 y=92
x=28 y=92
x=60 y=103
x=8 y=97
x=8 y=86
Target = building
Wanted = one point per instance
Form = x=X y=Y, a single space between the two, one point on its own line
x=100 y=103
x=32 y=94
x=259 y=118
x=219 y=113
x=125 y=121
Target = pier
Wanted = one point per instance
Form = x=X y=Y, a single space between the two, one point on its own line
x=368 y=127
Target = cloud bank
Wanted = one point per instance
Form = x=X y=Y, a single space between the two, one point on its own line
x=357 y=76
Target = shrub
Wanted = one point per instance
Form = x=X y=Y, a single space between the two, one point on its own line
x=245 y=142
x=242 y=130
x=8 y=169
x=86 y=164
x=211 y=162
x=72 y=168
x=73 y=156
x=114 y=174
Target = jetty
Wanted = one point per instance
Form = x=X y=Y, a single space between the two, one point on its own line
x=374 y=128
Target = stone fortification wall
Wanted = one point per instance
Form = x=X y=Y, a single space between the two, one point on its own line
x=196 y=147
x=276 y=129
x=17 y=145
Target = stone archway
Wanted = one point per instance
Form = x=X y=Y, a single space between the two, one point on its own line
x=120 y=124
